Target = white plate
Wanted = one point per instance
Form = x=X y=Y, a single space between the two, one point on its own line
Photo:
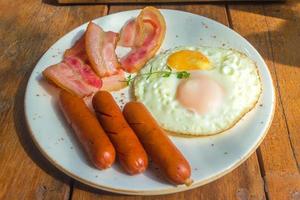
x=210 y=157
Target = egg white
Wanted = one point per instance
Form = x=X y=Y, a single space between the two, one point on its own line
x=233 y=70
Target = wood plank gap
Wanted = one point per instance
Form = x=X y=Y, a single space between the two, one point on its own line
x=228 y=16
x=71 y=189
x=261 y=162
x=108 y=9
x=278 y=90
x=262 y=171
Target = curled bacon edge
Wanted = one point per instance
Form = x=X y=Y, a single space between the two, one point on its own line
x=94 y=54
x=145 y=35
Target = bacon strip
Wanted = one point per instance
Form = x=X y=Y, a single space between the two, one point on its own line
x=78 y=50
x=132 y=33
x=100 y=48
x=114 y=82
x=147 y=41
x=74 y=76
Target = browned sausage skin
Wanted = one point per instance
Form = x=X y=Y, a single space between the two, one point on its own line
x=88 y=130
x=157 y=144
x=130 y=152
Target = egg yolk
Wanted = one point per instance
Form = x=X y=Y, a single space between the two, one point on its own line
x=200 y=94
x=188 y=60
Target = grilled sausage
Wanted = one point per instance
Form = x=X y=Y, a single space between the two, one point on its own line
x=157 y=144
x=130 y=152
x=88 y=130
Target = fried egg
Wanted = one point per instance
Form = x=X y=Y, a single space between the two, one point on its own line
x=223 y=86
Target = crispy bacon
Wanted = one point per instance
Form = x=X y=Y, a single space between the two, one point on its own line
x=147 y=41
x=100 y=48
x=74 y=76
x=132 y=33
x=77 y=50
x=114 y=82
x=96 y=47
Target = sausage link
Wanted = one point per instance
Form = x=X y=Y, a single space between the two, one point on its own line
x=130 y=152
x=88 y=130
x=157 y=144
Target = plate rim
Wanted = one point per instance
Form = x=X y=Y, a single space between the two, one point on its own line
x=162 y=191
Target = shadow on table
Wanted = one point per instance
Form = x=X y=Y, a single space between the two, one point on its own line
x=51 y=2
x=285 y=34
x=24 y=135
x=93 y=191
x=31 y=149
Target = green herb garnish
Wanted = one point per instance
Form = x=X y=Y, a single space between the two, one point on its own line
x=182 y=74
x=164 y=73
x=129 y=79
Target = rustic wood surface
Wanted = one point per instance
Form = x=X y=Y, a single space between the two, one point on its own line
x=265 y=26
x=144 y=1
x=29 y=28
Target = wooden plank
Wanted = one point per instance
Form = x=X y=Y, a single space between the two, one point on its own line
x=284 y=25
x=285 y=186
x=216 y=12
x=284 y=29
x=245 y=182
x=145 y=1
x=27 y=29
x=276 y=152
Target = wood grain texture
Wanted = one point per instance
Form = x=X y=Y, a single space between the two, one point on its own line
x=284 y=25
x=27 y=29
x=266 y=33
x=144 y=1
x=245 y=182
x=285 y=186
x=215 y=12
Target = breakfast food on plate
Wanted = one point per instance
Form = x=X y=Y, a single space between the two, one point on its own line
x=130 y=33
x=157 y=144
x=78 y=50
x=222 y=86
x=91 y=59
x=114 y=82
x=186 y=90
x=88 y=130
x=73 y=75
x=188 y=60
x=130 y=152
x=145 y=35
x=95 y=53
x=100 y=48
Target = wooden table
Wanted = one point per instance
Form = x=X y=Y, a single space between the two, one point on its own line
x=28 y=28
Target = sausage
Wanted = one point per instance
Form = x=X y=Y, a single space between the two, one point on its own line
x=130 y=151
x=88 y=130
x=157 y=144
